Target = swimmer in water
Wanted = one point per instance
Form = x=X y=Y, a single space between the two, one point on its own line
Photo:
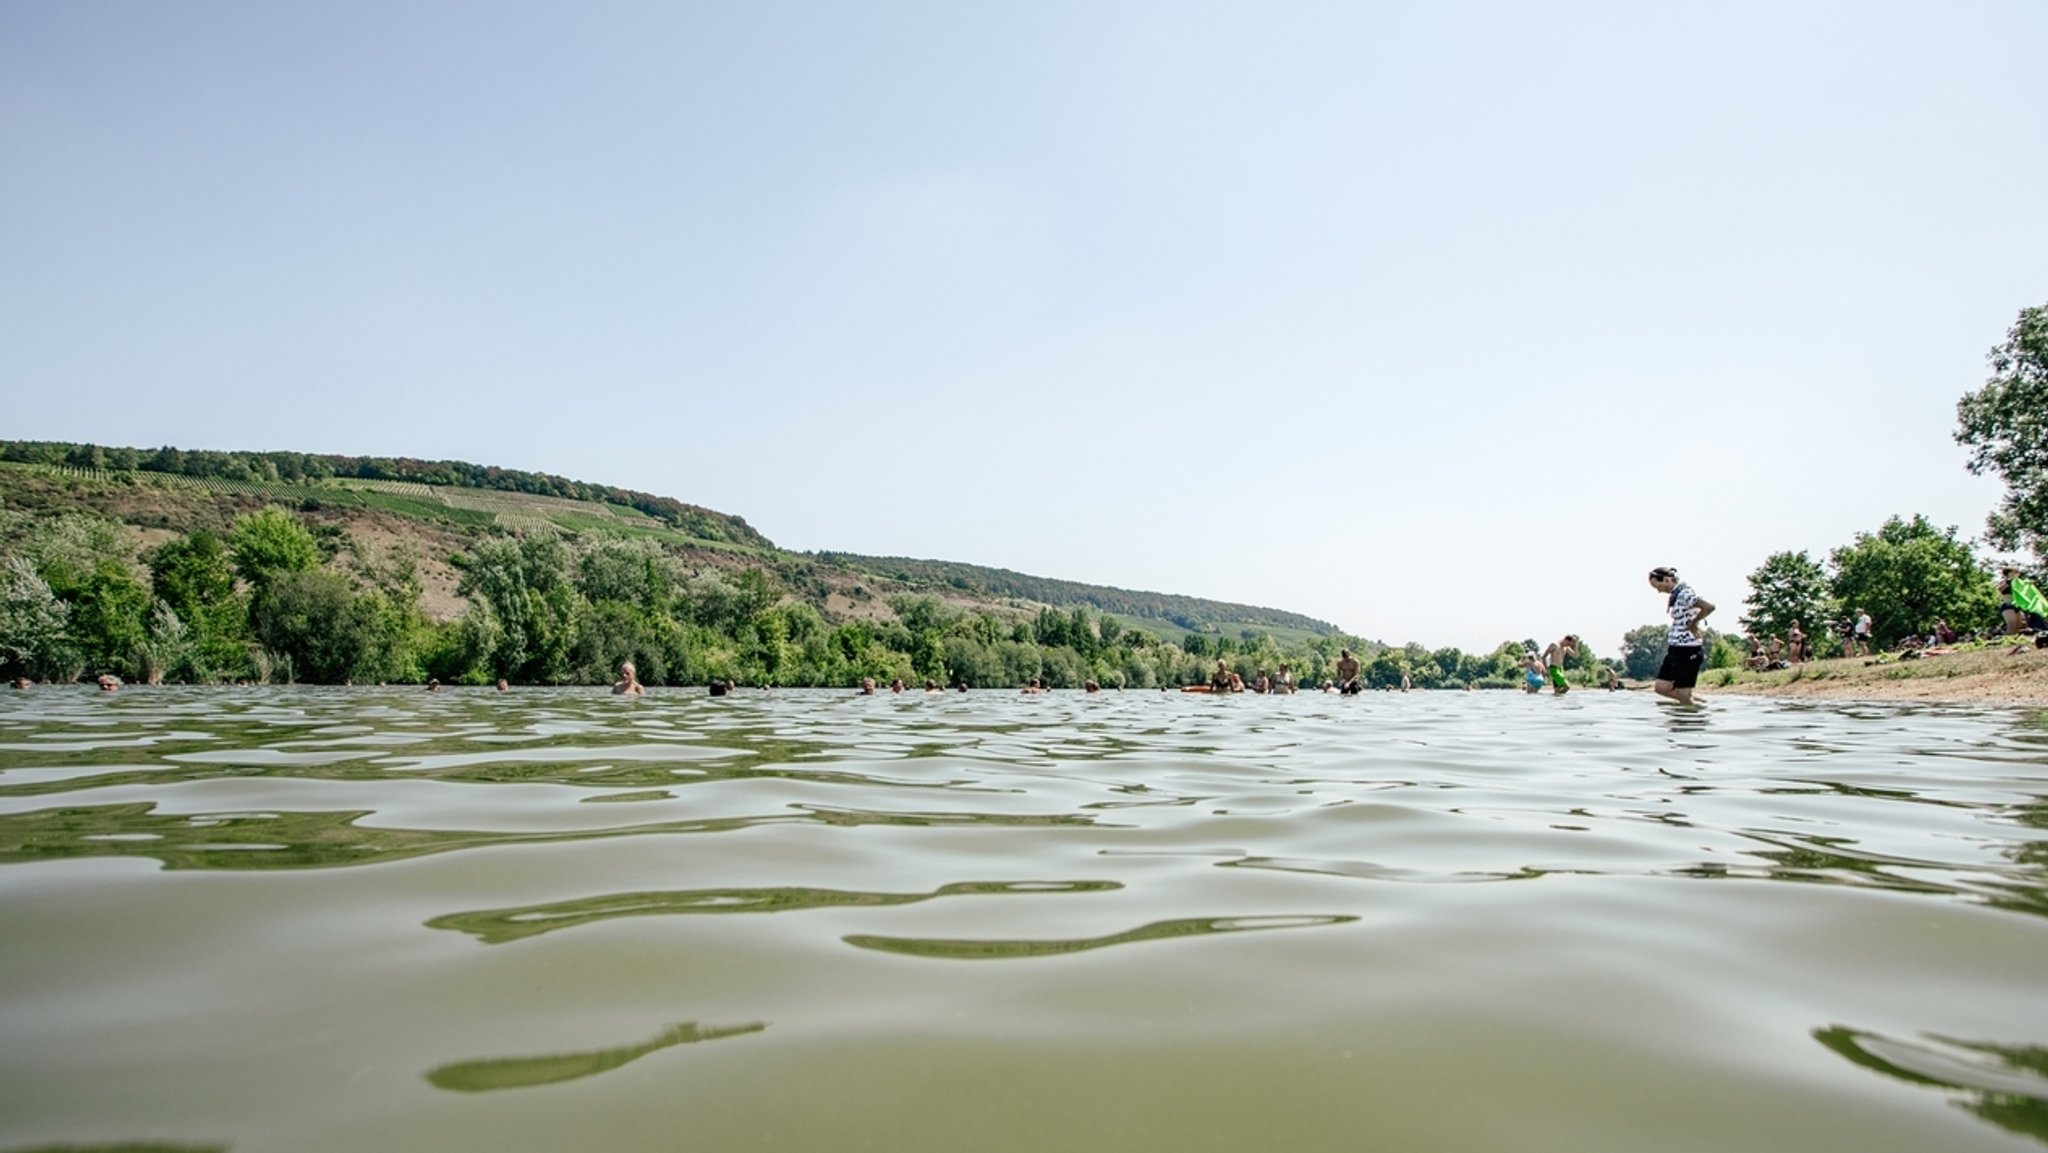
x=628 y=684
x=1347 y=672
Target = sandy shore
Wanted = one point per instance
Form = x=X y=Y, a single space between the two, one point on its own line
x=1984 y=677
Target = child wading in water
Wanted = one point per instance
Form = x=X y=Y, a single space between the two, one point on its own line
x=1553 y=661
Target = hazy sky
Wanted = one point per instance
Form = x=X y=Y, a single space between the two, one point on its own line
x=1439 y=321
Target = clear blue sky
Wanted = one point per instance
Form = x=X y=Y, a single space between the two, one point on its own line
x=1443 y=322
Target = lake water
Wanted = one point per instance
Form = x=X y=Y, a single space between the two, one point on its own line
x=355 y=919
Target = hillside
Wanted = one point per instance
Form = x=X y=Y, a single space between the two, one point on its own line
x=1168 y=613
x=429 y=510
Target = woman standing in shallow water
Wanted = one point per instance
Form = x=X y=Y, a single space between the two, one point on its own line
x=1685 y=651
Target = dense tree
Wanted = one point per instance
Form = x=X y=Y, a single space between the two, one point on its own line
x=1643 y=649
x=524 y=584
x=312 y=623
x=109 y=621
x=2005 y=426
x=34 y=640
x=1787 y=587
x=192 y=579
x=1907 y=574
x=271 y=542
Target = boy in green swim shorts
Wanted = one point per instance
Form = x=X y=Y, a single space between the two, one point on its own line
x=1553 y=661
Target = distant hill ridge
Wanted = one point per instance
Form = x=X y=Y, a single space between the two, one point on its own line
x=314 y=476
x=1186 y=612
x=303 y=468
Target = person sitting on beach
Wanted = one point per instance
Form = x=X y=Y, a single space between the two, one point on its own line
x=1756 y=661
x=628 y=684
x=1943 y=634
x=1775 y=650
x=1554 y=658
x=1614 y=684
x=1347 y=672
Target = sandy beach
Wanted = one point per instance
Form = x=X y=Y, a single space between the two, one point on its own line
x=1991 y=676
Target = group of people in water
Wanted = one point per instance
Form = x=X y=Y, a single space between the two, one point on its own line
x=2022 y=608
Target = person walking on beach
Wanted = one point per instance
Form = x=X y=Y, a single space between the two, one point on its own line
x=1685 y=651
x=1862 y=633
x=1553 y=662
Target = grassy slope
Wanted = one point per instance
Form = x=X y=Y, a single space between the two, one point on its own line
x=438 y=519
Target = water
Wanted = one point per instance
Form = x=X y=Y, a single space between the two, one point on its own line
x=340 y=919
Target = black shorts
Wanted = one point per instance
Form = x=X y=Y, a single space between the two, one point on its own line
x=1682 y=665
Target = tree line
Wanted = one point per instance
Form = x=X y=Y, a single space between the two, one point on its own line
x=275 y=598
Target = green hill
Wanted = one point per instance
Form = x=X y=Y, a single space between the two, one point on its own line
x=439 y=504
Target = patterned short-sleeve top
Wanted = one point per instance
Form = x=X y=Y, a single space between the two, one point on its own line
x=1682 y=600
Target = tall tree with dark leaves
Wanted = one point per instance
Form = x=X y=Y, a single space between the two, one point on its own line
x=2005 y=426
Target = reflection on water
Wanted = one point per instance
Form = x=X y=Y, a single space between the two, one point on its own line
x=971 y=950
x=252 y=917
x=120 y=1147
x=527 y=1072
x=299 y=840
x=495 y=926
x=2006 y=1085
